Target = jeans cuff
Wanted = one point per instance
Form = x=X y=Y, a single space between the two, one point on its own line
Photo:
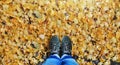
x=64 y=56
x=55 y=56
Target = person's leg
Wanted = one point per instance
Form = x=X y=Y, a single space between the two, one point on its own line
x=66 y=52
x=68 y=60
x=53 y=60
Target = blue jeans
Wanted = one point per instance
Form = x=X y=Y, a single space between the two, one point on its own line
x=56 y=60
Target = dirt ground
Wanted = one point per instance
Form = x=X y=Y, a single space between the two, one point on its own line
x=27 y=25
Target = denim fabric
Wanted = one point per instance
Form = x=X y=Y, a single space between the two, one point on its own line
x=56 y=60
x=68 y=60
x=53 y=60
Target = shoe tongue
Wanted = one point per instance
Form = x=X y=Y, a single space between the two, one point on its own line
x=54 y=41
x=66 y=42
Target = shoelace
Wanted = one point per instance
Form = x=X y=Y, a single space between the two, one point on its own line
x=54 y=46
x=67 y=47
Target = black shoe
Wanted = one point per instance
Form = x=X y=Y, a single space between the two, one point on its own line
x=54 y=45
x=66 y=46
